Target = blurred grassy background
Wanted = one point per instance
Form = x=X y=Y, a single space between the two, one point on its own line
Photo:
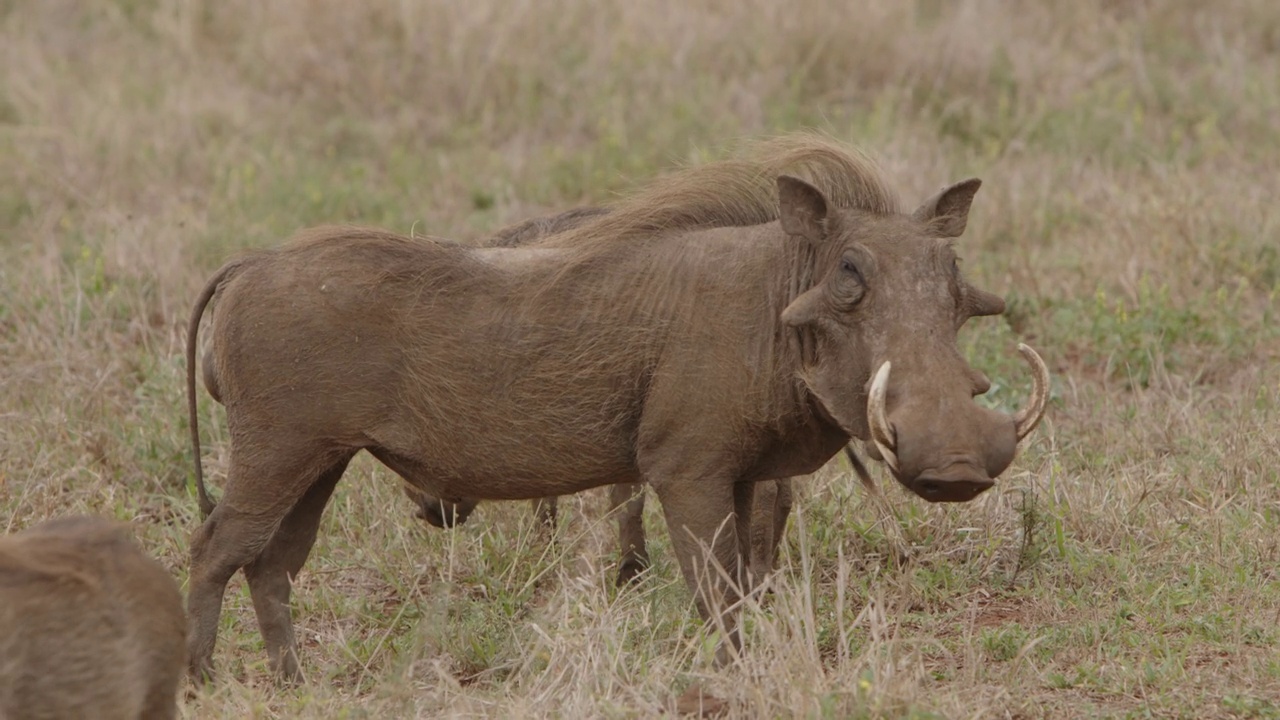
x=1129 y=151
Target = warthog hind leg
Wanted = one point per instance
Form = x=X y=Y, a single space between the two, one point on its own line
x=271 y=575
x=231 y=538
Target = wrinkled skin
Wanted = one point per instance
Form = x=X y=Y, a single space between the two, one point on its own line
x=698 y=361
x=90 y=627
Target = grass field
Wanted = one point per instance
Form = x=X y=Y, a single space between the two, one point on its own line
x=1125 y=565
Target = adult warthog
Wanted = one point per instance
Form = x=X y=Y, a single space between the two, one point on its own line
x=90 y=626
x=719 y=328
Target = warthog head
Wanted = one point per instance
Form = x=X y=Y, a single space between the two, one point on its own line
x=439 y=512
x=886 y=303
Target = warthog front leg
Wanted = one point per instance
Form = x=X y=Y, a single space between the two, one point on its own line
x=705 y=535
x=633 y=555
x=770 y=510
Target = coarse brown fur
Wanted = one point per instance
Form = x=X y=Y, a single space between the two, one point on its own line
x=627 y=500
x=527 y=231
x=737 y=192
x=703 y=335
x=446 y=514
x=90 y=626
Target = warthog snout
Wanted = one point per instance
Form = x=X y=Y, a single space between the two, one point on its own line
x=950 y=449
x=444 y=515
x=439 y=512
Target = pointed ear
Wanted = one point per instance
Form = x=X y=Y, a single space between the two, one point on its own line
x=981 y=302
x=948 y=211
x=802 y=209
x=804 y=309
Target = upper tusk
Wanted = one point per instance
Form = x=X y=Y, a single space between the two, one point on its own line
x=1029 y=417
x=878 y=419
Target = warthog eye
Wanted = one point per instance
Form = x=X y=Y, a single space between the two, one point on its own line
x=849 y=286
x=848 y=266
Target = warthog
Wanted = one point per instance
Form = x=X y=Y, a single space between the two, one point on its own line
x=719 y=328
x=773 y=498
x=90 y=626
x=770 y=510
x=448 y=513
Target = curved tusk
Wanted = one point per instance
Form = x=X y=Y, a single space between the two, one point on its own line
x=878 y=420
x=1029 y=417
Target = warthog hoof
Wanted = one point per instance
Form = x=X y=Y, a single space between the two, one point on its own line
x=629 y=571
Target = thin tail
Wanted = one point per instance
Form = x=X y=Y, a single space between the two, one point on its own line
x=193 y=328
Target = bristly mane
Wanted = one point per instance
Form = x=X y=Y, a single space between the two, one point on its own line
x=736 y=192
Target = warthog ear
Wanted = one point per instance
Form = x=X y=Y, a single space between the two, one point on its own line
x=947 y=212
x=802 y=208
x=981 y=302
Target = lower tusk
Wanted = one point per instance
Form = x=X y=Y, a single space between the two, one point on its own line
x=1029 y=417
x=878 y=419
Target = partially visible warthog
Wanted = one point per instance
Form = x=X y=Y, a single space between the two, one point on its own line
x=444 y=513
x=773 y=497
x=90 y=626
x=720 y=328
x=770 y=510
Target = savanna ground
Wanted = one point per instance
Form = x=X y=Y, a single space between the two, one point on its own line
x=1125 y=564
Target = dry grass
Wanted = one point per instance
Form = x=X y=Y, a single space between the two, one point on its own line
x=1125 y=567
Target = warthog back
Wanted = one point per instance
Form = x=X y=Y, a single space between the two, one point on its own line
x=90 y=626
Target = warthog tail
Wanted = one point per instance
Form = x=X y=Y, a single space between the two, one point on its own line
x=193 y=328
